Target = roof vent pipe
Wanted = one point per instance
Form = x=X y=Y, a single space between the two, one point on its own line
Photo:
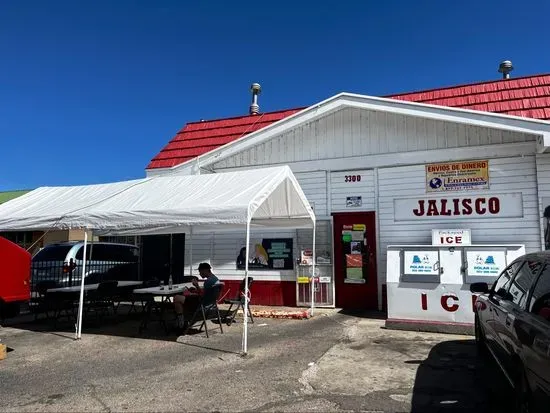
x=256 y=89
x=505 y=68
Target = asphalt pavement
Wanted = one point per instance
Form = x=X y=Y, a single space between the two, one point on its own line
x=331 y=362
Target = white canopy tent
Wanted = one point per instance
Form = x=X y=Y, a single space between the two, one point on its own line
x=260 y=198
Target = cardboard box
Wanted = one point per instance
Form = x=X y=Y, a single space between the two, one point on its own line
x=3 y=351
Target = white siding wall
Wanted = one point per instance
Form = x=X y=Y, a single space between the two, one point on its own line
x=314 y=185
x=543 y=179
x=221 y=249
x=342 y=187
x=352 y=132
x=507 y=175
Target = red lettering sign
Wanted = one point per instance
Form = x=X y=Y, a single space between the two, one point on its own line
x=445 y=303
x=466 y=206
x=424 y=300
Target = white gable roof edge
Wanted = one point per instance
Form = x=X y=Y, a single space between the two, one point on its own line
x=541 y=128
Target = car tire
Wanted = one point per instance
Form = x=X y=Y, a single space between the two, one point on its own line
x=481 y=344
x=524 y=403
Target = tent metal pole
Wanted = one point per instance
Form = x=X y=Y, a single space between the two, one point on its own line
x=191 y=251
x=313 y=271
x=82 y=277
x=245 y=309
x=171 y=259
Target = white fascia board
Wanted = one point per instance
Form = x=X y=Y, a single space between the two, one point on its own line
x=543 y=143
x=449 y=114
x=388 y=160
x=342 y=100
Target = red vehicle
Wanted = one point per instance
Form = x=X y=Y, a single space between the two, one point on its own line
x=15 y=274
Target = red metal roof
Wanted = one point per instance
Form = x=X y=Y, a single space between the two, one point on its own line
x=197 y=138
x=523 y=96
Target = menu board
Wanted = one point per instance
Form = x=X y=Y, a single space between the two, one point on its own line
x=270 y=254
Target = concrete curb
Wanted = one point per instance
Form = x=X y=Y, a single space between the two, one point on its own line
x=430 y=327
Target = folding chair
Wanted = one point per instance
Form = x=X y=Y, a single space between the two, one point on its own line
x=238 y=302
x=41 y=303
x=208 y=305
x=103 y=298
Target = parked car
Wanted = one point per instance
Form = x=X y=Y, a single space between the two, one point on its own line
x=512 y=322
x=63 y=263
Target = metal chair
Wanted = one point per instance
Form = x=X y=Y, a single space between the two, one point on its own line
x=238 y=302
x=208 y=306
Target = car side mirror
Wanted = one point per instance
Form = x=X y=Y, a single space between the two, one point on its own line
x=479 y=288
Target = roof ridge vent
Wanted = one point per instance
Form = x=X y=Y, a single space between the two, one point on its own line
x=505 y=68
x=256 y=89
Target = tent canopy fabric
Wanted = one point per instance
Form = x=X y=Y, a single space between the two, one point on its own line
x=269 y=197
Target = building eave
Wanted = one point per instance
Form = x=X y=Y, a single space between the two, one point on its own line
x=537 y=127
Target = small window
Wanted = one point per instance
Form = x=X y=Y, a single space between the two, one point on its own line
x=80 y=252
x=540 y=300
x=503 y=282
x=522 y=282
x=53 y=253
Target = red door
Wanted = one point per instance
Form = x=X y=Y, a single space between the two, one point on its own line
x=355 y=261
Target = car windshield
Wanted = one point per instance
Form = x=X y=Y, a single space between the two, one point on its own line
x=54 y=253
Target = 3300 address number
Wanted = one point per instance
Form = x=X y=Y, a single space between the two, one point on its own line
x=352 y=178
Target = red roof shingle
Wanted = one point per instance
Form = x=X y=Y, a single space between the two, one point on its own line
x=198 y=138
x=526 y=96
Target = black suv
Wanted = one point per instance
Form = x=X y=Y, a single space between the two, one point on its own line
x=512 y=321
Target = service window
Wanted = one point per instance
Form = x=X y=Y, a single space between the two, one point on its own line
x=540 y=299
x=522 y=282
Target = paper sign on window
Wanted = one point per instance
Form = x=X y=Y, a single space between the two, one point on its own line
x=488 y=263
x=421 y=262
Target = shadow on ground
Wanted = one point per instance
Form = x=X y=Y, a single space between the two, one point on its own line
x=454 y=378
x=121 y=324
x=375 y=315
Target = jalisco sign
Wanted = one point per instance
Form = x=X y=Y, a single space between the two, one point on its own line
x=480 y=206
x=457 y=176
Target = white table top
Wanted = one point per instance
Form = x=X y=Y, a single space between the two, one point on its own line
x=176 y=289
x=91 y=287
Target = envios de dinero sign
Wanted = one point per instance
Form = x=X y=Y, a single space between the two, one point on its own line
x=457 y=176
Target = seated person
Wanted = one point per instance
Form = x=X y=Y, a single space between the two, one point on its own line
x=189 y=301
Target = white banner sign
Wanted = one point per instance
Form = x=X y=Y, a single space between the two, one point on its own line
x=421 y=262
x=457 y=207
x=444 y=237
x=485 y=263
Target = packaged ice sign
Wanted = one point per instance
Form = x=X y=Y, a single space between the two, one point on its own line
x=485 y=263
x=451 y=237
x=481 y=207
x=421 y=262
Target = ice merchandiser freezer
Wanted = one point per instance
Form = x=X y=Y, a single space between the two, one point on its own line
x=428 y=287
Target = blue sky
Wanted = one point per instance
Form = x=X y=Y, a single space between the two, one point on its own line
x=90 y=91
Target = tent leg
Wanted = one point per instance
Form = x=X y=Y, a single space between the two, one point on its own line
x=191 y=251
x=78 y=334
x=245 y=309
x=313 y=271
